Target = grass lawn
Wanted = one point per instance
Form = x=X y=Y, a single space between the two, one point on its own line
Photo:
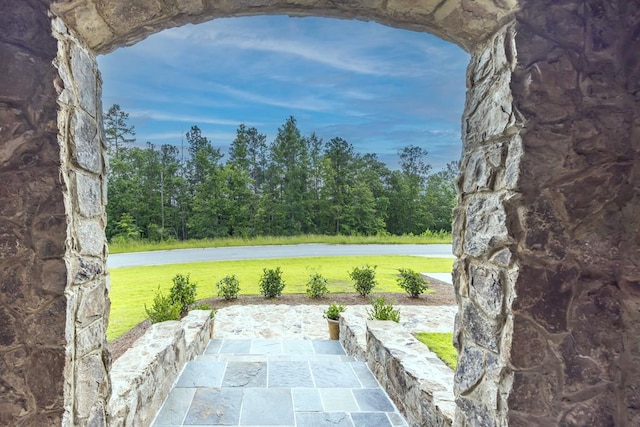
x=117 y=247
x=441 y=344
x=133 y=287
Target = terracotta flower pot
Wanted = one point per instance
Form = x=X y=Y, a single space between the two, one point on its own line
x=334 y=329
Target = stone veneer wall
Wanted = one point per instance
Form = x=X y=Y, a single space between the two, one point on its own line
x=143 y=376
x=53 y=304
x=33 y=222
x=547 y=229
x=417 y=381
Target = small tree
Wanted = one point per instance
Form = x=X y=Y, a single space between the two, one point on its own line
x=364 y=278
x=229 y=287
x=183 y=292
x=317 y=286
x=411 y=282
x=271 y=283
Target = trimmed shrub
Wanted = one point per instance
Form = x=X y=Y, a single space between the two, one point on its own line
x=412 y=282
x=229 y=287
x=183 y=292
x=317 y=286
x=271 y=283
x=383 y=310
x=364 y=278
x=162 y=309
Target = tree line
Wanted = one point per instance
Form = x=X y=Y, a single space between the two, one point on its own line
x=295 y=184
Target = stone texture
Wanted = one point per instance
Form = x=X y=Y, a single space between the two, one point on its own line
x=108 y=25
x=417 y=381
x=143 y=376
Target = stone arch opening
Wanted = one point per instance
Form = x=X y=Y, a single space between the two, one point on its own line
x=546 y=232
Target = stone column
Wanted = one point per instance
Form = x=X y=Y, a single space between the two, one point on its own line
x=548 y=227
x=53 y=299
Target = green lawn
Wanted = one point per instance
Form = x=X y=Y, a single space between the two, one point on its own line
x=442 y=345
x=133 y=287
x=427 y=237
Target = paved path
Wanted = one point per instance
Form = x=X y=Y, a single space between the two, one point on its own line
x=180 y=256
x=306 y=322
x=271 y=365
x=262 y=382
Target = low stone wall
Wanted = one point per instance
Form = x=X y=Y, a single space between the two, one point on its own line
x=418 y=382
x=143 y=376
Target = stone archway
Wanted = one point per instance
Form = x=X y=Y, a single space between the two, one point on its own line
x=547 y=229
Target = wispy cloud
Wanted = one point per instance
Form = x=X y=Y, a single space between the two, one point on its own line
x=172 y=117
x=357 y=55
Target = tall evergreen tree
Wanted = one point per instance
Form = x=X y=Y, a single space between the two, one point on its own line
x=118 y=132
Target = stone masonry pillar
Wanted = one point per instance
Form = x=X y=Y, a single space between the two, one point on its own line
x=53 y=299
x=548 y=227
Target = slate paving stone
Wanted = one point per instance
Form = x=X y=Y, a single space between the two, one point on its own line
x=333 y=375
x=396 y=419
x=370 y=419
x=213 y=347
x=338 y=400
x=217 y=406
x=277 y=383
x=266 y=347
x=364 y=375
x=202 y=374
x=267 y=406
x=323 y=419
x=373 y=399
x=236 y=346
x=328 y=347
x=175 y=407
x=297 y=347
x=306 y=400
x=245 y=374
x=289 y=374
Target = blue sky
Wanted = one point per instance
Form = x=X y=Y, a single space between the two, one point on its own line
x=379 y=88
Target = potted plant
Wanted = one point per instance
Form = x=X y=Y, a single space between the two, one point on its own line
x=332 y=314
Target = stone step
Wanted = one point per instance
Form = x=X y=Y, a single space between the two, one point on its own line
x=240 y=357
x=275 y=347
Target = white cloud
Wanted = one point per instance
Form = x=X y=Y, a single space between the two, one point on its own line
x=357 y=53
x=171 y=117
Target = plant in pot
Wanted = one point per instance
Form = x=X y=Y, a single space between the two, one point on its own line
x=332 y=314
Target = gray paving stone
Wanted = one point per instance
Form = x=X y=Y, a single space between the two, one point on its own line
x=236 y=346
x=297 y=347
x=306 y=400
x=370 y=419
x=373 y=399
x=289 y=374
x=323 y=419
x=364 y=375
x=202 y=374
x=328 y=347
x=338 y=400
x=266 y=347
x=213 y=347
x=267 y=406
x=333 y=375
x=175 y=408
x=217 y=406
x=396 y=419
x=245 y=374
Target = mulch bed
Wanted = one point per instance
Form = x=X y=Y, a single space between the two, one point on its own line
x=444 y=295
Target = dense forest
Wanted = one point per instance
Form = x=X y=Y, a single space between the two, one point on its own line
x=293 y=185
